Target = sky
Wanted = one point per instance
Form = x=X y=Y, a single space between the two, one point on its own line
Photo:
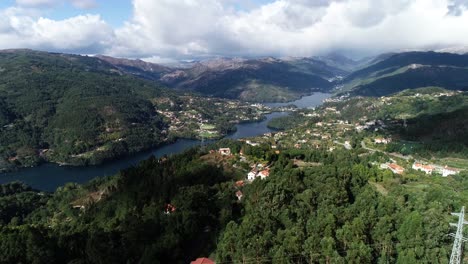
x=170 y=30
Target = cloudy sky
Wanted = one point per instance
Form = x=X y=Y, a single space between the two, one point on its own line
x=164 y=30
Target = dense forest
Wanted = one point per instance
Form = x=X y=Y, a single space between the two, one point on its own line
x=172 y=210
x=70 y=105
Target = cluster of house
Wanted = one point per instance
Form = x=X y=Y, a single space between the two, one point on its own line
x=428 y=169
x=258 y=172
x=382 y=140
x=373 y=124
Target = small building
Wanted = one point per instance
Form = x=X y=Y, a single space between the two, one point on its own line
x=446 y=171
x=428 y=169
x=202 y=261
x=239 y=183
x=169 y=209
x=251 y=175
x=382 y=140
x=395 y=168
x=239 y=195
x=254 y=144
x=264 y=174
x=225 y=151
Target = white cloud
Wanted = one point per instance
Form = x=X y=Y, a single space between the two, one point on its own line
x=23 y=28
x=187 y=28
x=196 y=28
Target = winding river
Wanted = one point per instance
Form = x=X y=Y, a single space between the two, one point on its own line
x=48 y=177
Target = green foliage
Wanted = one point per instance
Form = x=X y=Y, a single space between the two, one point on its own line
x=123 y=217
x=330 y=214
x=73 y=105
x=410 y=70
x=288 y=122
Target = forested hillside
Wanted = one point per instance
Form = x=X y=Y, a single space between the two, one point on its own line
x=261 y=80
x=57 y=106
x=409 y=70
x=174 y=210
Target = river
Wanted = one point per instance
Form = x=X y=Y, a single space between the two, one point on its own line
x=49 y=176
x=305 y=102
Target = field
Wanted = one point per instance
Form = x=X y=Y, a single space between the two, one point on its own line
x=456 y=163
x=207 y=127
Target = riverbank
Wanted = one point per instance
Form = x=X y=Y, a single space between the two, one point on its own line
x=49 y=176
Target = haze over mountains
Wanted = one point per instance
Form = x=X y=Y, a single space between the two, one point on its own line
x=263 y=79
x=248 y=79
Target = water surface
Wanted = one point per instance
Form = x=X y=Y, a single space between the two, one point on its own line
x=305 y=102
x=49 y=176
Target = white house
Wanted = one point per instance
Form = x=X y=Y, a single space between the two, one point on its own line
x=428 y=169
x=251 y=175
x=239 y=195
x=382 y=140
x=446 y=171
x=225 y=151
x=251 y=143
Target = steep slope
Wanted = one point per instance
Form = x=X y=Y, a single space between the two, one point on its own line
x=69 y=108
x=410 y=70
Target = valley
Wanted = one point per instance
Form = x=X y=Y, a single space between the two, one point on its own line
x=184 y=172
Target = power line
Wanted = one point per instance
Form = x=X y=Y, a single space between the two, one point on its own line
x=455 y=258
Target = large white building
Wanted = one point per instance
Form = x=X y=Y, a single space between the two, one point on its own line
x=446 y=171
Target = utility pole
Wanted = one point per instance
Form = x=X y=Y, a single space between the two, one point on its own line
x=455 y=258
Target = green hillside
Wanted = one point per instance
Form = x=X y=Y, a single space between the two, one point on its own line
x=407 y=71
x=69 y=105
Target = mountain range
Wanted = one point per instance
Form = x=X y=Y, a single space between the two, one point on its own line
x=76 y=104
x=391 y=73
x=264 y=79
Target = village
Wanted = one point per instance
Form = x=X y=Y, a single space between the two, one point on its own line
x=209 y=118
x=324 y=129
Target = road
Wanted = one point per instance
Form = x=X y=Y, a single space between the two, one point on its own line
x=363 y=145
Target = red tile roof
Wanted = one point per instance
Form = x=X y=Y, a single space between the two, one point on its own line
x=202 y=261
x=396 y=168
x=239 y=183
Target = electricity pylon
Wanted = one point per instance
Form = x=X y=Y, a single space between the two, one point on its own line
x=455 y=258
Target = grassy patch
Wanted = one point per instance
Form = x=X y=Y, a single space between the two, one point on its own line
x=207 y=127
x=454 y=162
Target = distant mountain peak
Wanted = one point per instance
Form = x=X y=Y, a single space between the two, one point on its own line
x=456 y=49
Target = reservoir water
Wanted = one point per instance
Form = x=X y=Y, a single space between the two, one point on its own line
x=305 y=102
x=49 y=176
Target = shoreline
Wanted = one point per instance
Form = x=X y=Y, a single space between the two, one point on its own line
x=16 y=169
